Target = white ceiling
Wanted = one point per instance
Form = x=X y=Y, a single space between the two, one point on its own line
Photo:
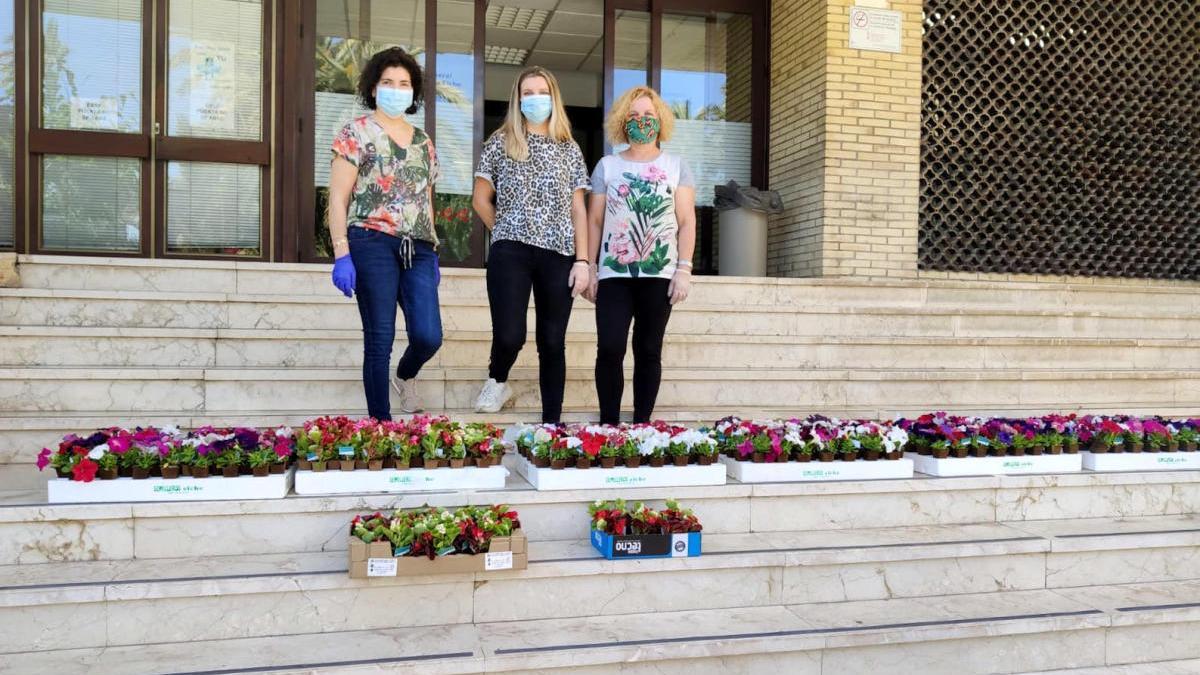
x=570 y=40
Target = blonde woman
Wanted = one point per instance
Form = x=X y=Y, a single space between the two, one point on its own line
x=535 y=172
x=642 y=233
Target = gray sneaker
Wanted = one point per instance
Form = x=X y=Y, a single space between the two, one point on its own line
x=410 y=400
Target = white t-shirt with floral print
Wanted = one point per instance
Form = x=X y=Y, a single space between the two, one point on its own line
x=641 y=235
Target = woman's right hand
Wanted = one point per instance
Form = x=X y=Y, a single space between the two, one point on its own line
x=344 y=276
x=589 y=293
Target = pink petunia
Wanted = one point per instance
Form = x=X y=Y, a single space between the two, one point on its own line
x=43 y=459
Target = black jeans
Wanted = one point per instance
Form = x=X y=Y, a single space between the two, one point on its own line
x=646 y=304
x=513 y=270
x=383 y=284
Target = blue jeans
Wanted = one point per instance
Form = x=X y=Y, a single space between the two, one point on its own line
x=383 y=283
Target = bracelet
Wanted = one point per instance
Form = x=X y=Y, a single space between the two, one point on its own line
x=684 y=263
x=341 y=241
x=577 y=262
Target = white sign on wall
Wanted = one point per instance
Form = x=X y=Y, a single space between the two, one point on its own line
x=876 y=30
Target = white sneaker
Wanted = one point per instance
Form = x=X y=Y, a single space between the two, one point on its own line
x=493 y=396
x=410 y=400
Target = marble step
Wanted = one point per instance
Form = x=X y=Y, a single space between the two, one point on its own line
x=60 y=346
x=1171 y=667
x=214 y=598
x=1007 y=632
x=88 y=308
x=75 y=272
x=32 y=531
x=210 y=390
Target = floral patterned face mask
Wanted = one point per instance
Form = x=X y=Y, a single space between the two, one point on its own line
x=641 y=130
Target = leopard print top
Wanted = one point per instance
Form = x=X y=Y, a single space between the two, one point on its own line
x=533 y=198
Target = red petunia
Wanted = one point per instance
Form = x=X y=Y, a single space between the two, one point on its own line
x=85 y=470
x=591 y=444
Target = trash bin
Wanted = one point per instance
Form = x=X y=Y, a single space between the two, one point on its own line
x=743 y=228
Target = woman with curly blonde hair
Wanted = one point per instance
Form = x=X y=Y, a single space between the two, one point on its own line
x=641 y=236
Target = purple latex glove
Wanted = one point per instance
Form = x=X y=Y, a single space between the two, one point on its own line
x=344 y=275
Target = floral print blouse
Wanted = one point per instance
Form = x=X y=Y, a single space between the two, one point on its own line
x=641 y=236
x=391 y=193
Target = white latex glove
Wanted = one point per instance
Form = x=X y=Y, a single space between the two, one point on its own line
x=680 y=286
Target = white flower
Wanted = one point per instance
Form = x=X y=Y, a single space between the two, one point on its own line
x=542 y=435
x=98 y=451
x=654 y=441
x=573 y=442
x=894 y=439
x=692 y=438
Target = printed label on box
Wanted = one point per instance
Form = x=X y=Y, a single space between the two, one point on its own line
x=679 y=545
x=499 y=560
x=625 y=546
x=381 y=567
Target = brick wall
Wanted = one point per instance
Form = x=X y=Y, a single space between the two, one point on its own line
x=845 y=144
x=797 y=139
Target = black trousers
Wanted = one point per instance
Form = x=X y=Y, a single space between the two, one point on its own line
x=513 y=270
x=645 y=303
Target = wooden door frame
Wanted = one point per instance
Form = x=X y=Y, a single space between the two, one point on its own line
x=152 y=150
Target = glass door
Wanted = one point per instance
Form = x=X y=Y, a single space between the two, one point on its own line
x=705 y=58
x=91 y=135
x=441 y=36
x=211 y=147
x=118 y=171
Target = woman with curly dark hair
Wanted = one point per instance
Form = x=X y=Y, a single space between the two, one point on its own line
x=382 y=227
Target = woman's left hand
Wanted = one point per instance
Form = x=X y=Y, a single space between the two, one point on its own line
x=680 y=286
x=580 y=279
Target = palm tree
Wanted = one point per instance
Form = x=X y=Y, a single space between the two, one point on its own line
x=340 y=62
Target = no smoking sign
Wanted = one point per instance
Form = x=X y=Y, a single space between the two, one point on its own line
x=875 y=30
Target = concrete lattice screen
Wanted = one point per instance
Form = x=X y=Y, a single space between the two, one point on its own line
x=1061 y=137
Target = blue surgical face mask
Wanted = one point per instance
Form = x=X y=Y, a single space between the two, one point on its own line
x=536 y=107
x=393 y=102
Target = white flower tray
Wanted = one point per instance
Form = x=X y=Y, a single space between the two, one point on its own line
x=395 y=480
x=994 y=466
x=620 y=477
x=182 y=489
x=790 y=472
x=1141 y=461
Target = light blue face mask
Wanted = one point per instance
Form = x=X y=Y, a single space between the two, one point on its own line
x=536 y=107
x=393 y=102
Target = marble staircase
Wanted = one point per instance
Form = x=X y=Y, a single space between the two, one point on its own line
x=95 y=341
x=920 y=575
x=1072 y=573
